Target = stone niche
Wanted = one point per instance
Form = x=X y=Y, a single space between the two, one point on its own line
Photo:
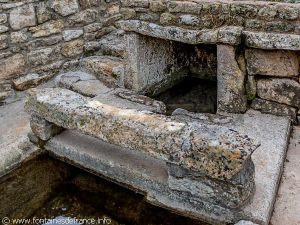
x=181 y=75
x=203 y=78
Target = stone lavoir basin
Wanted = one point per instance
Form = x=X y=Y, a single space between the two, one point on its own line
x=51 y=192
x=188 y=105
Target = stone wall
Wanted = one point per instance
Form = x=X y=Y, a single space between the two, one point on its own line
x=258 y=44
x=273 y=82
x=38 y=38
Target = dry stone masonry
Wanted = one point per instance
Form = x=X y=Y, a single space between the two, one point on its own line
x=41 y=38
x=111 y=59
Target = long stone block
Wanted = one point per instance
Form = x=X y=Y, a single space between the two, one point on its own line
x=211 y=149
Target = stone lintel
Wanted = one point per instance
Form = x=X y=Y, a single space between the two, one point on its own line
x=232 y=35
x=214 y=150
x=228 y=35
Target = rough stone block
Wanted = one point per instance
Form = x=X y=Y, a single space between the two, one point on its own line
x=23 y=16
x=215 y=150
x=244 y=222
x=18 y=37
x=3 y=29
x=29 y=80
x=69 y=35
x=106 y=69
x=135 y=3
x=48 y=28
x=126 y=99
x=42 y=56
x=231 y=90
x=251 y=88
x=150 y=64
x=72 y=48
x=184 y=7
x=83 y=17
x=12 y=66
x=65 y=7
x=89 y=3
x=272 y=63
x=274 y=108
x=43 y=13
x=271 y=41
x=284 y=91
x=82 y=83
x=3 y=18
x=42 y=128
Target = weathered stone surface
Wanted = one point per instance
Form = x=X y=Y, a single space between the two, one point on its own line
x=6 y=91
x=12 y=66
x=42 y=128
x=127 y=99
x=135 y=3
x=189 y=20
x=23 y=16
x=88 y=3
x=274 y=108
x=48 y=28
x=231 y=91
x=272 y=40
x=3 y=41
x=157 y=5
x=65 y=7
x=167 y=19
x=29 y=80
x=82 y=83
x=18 y=37
x=147 y=64
x=3 y=29
x=244 y=222
x=69 y=35
x=43 y=13
x=229 y=35
x=3 y=18
x=287 y=204
x=42 y=42
x=184 y=7
x=111 y=44
x=128 y=13
x=284 y=91
x=42 y=56
x=83 y=17
x=272 y=63
x=251 y=88
x=72 y=48
x=192 y=145
x=170 y=33
x=106 y=69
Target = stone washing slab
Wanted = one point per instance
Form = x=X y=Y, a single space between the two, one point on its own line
x=148 y=175
x=212 y=149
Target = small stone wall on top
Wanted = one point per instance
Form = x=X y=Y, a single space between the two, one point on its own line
x=258 y=42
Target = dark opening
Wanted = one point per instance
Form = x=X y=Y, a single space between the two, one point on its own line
x=192 y=94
